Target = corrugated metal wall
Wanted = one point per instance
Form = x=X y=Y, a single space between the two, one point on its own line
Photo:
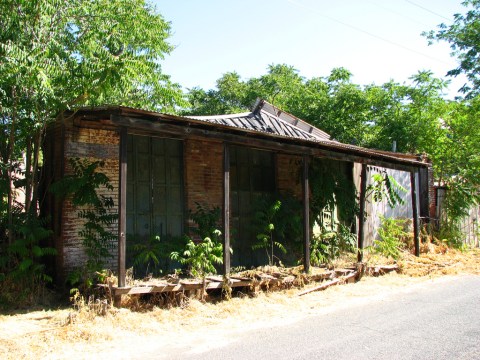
x=375 y=209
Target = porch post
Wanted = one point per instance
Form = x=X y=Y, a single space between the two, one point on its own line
x=226 y=209
x=306 y=217
x=122 y=202
x=361 y=215
x=413 y=186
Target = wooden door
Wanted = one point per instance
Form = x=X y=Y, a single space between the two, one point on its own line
x=252 y=176
x=154 y=188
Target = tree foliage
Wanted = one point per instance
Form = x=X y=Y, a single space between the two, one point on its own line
x=463 y=35
x=414 y=115
x=57 y=55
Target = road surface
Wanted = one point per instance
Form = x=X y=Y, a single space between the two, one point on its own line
x=439 y=320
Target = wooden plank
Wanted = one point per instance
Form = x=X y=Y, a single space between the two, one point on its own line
x=318 y=277
x=167 y=288
x=147 y=289
x=241 y=283
x=416 y=238
x=424 y=194
x=242 y=278
x=381 y=269
x=306 y=217
x=342 y=272
x=214 y=285
x=122 y=206
x=361 y=215
x=326 y=285
x=226 y=209
x=193 y=286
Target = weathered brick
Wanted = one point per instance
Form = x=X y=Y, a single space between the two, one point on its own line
x=288 y=174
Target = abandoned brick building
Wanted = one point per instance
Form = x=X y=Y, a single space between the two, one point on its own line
x=162 y=165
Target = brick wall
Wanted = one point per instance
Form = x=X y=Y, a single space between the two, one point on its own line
x=203 y=173
x=203 y=179
x=289 y=169
x=93 y=144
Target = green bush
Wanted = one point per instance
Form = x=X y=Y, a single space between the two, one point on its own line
x=391 y=234
x=328 y=245
x=202 y=257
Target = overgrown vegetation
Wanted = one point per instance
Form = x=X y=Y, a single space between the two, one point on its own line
x=332 y=187
x=23 y=274
x=148 y=254
x=328 y=245
x=266 y=216
x=392 y=238
x=151 y=255
x=82 y=189
x=201 y=257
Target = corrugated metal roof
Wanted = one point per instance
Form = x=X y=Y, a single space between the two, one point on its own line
x=267 y=118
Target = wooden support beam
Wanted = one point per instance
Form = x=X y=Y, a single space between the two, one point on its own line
x=361 y=215
x=122 y=206
x=306 y=217
x=226 y=209
x=416 y=239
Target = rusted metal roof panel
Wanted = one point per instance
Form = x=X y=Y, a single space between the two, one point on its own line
x=266 y=119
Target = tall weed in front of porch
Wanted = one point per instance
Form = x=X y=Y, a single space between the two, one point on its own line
x=329 y=245
x=267 y=216
x=201 y=257
x=392 y=238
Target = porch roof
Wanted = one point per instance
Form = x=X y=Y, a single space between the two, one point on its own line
x=264 y=121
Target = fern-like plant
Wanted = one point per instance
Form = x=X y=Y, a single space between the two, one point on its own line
x=202 y=257
x=385 y=186
x=265 y=239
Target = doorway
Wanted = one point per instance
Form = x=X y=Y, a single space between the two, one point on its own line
x=155 y=201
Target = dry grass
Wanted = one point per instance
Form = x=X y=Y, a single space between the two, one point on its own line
x=69 y=333
x=441 y=260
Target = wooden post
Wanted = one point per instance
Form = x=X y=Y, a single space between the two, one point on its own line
x=226 y=209
x=416 y=238
x=122 y=206
x=306 y=217
x=361 y=215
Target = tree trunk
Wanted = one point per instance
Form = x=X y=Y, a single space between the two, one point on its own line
x=28 y=174
x=35 y=178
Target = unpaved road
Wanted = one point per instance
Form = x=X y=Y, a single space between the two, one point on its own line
x=433 y=320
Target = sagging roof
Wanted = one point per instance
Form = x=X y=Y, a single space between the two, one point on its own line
x=265 y=120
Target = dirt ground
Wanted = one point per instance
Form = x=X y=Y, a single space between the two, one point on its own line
x=122 y=333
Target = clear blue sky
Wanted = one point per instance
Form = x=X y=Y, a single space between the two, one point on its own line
x=377 y=40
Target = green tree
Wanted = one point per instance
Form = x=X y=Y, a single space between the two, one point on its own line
x=57 y=55
x=415 y=115
x=463 y=36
